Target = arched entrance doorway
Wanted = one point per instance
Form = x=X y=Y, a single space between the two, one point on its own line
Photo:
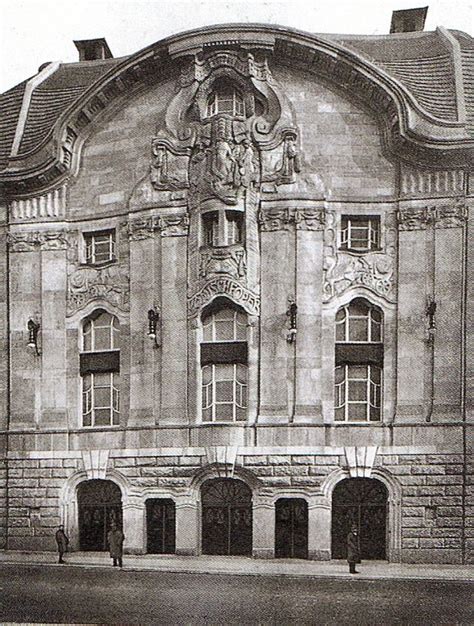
x=160 y=526
x=100 y=504
x=291 y=528
x=226 y=517
x=361 y=501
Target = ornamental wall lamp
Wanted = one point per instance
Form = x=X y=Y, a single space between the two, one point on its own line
x=291 y=314
x=33 y=330
x=154 y=319
x=430 y=314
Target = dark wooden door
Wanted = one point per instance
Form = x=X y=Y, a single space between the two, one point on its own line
x=226 y=517
x=100 y=505
x=360 y=501
x=161 y=526
x=291 y=528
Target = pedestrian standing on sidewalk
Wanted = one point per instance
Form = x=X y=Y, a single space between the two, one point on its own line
x=62 y=541
x=353 y=549
x=115 y=538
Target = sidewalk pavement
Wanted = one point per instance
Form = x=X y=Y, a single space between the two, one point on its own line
x=247 y=566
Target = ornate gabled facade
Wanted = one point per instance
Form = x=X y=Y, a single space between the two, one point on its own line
x=235 y=310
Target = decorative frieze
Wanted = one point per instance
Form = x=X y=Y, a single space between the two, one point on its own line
x=30 y=241
x=276 y=218
x=445 y=216
x=175 y=225
x=414 y=218
x=51 y=204
x=224 y=286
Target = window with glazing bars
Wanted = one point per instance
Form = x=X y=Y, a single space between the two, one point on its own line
x=359 y=362
x=360 y=233
x=99 y=246
x=100 y=370
x=224 y=366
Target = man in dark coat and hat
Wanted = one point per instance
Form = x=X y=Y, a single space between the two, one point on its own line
x=353 y=549
x=115 y=539
x=62 y=541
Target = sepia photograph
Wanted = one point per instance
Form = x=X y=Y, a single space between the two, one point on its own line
x=237 y=312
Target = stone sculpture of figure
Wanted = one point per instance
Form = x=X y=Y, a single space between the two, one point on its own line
x=223 y=164
x=291 y=160
x=246 y=170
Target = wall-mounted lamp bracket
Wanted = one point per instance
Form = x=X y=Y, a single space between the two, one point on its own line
x=292 y=316
x=154 y=325
x=33 y=330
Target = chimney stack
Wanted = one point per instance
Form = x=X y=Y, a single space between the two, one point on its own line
x=93 y=49
x=408 y=20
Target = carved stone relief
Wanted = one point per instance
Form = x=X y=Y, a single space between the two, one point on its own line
x=373 y=270
x=225 y=286
x=419 y=218
x=230 y=261
x=276 y=218
x=86 y=284
x=171 y=225
x=29 y=241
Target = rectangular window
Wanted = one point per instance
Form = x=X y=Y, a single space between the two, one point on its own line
x=224 y=392
x=360 y=233
x=100 y=399
x=99 y=247
x=357 y=395
x=210 y=224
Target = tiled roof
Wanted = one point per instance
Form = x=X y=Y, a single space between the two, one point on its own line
x=10 y=105
x=56 y=93
x=467 y=59
x=422 y=62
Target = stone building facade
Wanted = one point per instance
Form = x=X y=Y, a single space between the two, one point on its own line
x=235 y=308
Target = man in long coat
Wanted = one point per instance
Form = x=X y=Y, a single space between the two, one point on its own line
x=62 y=542
x=353 y=549
x=115 y=539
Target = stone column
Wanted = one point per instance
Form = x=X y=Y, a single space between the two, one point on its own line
x=263 y=529
x=414 y=243
x=187 y=528
x=134 y=527
x=174 y=365
x=309 y=277
x=144 y=352
x=53 y=335
x=277 y=284
x=319 y=530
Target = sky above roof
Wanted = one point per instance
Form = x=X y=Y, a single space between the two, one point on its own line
x=33 y=32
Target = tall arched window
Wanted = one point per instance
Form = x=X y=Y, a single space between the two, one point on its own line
x=359 y=362
x=224 y=364
x=100 y=370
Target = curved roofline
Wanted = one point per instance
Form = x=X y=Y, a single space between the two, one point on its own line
x=407 y=123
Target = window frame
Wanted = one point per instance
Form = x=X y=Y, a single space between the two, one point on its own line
x=342 y=392
x=350 y=223
x=224 y=325
x=90 y=244
x=92 y=360
x=209 y=393
x=367 y=353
